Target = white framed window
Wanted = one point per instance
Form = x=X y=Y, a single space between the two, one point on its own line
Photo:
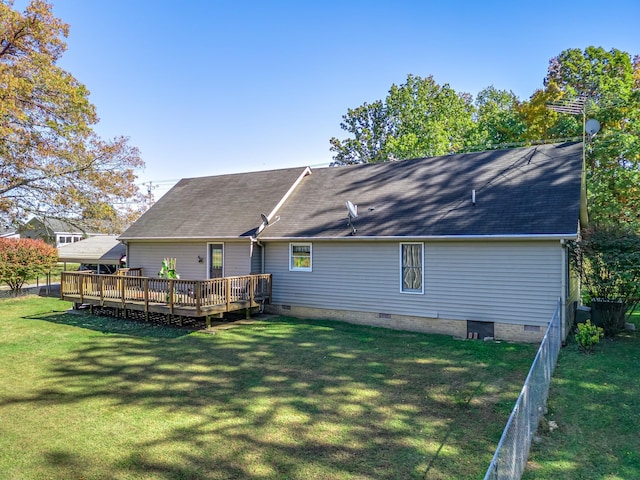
x=300 y=257
x=412 y=268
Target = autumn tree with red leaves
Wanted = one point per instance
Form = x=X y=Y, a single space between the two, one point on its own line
x=24 y=259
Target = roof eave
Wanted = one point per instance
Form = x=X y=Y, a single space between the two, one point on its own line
x=183 y=239
x=518 y=237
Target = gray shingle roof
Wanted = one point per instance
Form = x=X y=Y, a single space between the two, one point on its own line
x=523 y=191
x=223 y=206
x=57 y=225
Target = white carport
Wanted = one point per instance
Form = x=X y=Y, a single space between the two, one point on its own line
x=99 y=250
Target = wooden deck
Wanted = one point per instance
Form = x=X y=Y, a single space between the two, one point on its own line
x=189 y=298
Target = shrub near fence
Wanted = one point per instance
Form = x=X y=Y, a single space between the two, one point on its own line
x=513 y=449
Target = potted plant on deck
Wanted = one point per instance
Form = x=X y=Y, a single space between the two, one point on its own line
x=168 y=271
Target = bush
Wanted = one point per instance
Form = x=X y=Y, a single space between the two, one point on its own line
x=588 y=335
x=608 y=259
x=24 y=259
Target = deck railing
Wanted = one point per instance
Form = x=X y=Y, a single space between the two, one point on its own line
x=187 y=294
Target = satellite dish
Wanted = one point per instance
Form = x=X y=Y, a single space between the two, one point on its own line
x=592 y=126
x=352 y=209
x=264 y=218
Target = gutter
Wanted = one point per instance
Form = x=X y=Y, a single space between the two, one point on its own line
x=350 y=238
x=181 y=239
x=554 y=237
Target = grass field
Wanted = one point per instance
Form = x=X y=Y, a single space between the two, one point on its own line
x=595 y=402
x=85 y=397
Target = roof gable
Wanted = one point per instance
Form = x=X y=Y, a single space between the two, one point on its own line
x=223 y=206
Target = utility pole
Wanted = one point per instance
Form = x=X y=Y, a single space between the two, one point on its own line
x=150 y=187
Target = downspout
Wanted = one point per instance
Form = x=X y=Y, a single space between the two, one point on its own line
x=563 y=291
x=255 y=241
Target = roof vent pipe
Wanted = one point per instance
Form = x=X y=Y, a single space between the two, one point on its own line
x=473 y=197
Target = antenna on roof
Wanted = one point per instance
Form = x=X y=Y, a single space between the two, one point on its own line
x=265 y=219
x=352 y=211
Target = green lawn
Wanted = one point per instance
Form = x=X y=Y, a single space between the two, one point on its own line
x=595 y=402
x=85 y=397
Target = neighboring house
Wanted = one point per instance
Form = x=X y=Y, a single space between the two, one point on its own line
x=458 y=244
x=53 y=231
x=102 y=254
x=9 y=233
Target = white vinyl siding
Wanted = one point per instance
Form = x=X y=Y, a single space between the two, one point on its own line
x=149 y=256
x=514 y=282
x=237 y=258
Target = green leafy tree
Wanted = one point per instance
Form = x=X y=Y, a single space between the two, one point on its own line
x=51 y=161
x=24 y=259
x=418 y=118
x=498 y=118
x=609 y=84
x=370 y=126
x=428 y=119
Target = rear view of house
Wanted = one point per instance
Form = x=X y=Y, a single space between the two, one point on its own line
x=460 y=244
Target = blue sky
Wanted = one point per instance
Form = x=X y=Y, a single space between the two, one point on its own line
x=213 y=87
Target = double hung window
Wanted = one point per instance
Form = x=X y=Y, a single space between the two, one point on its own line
x=300 y=258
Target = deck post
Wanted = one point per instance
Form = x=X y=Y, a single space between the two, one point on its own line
x=198 y=297
x=228 y=293
x=81 y=289
x=207 y=320
x=170 y=297
x=253 y=282
x=122 y=295
x=101 y=289
x=146 y=297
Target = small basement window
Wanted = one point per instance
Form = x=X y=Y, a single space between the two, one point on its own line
x=300 y=257
x=480 y=330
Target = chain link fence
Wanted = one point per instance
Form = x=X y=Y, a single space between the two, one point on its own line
x=513 y=450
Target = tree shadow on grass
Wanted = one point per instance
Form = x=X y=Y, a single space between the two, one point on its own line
x=287 y=399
